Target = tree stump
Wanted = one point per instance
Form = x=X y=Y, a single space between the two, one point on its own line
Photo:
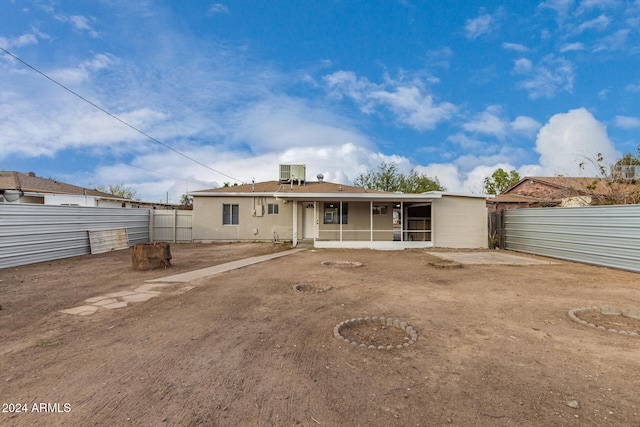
x=149 y=256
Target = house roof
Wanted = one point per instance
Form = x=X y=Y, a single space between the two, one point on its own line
x=29 y=182
x=317 y=190
x=285 y=188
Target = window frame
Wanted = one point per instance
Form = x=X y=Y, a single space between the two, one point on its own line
x=228 y=216
x=273 y=209
x=380 y=210
x=336 y=210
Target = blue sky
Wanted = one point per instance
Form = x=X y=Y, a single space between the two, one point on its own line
x=452 y=89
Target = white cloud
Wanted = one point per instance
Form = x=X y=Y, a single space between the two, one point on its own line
x=467 y=143
x=217 y=8
x=80 y=23
x=515 y=47
x=525 y=125
x=571 y=139
x=20 y=41
x=565 y=142
x=613 y=42
x=561 y=7
x=488 y=122
x=83 y=71
x=278 y=123
x=522 y=65
x=586 y=5
x=339 y=163
x=406 y=100
x=447 y=173
x=633 y=14
x=439 y=58
x=492 y=122
x=479 y=26
x=633 y=87
x=547 y=78
x=458 y=177
x=627 y=122
x=598 y=24
x=570 y=47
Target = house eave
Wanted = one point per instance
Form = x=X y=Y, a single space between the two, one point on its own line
x=375 y=196
x=325 y=196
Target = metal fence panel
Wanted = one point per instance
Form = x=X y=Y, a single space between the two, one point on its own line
x=37 y=233
x=602 y=235
x=172 y=226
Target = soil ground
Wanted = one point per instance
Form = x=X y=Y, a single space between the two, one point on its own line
x=495 y=343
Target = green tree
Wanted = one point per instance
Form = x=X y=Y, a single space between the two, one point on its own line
x=500 y=180
x=387 y=178
x=414 y=182
x=119 y=190
x=186 y=202
x=629 y=160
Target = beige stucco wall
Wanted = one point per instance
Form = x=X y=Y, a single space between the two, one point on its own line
x=207 y=220
x=459 y=222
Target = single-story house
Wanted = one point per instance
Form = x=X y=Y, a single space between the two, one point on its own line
x=18 y=187
x=331 y=215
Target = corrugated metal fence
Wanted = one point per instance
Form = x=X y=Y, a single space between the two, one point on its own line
x=36 y=233
x=601 y=235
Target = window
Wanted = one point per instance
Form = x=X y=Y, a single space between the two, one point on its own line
x=332 y=213
x=380 y=209
x=229 y=214
x=272 y=209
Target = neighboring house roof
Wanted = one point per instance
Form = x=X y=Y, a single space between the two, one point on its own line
x=29 y=182
x=555 y=189
x=564 y=184
x=502 y=201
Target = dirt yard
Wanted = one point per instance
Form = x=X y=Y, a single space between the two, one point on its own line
x=495 y=344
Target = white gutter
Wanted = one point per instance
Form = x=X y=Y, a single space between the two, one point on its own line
x=342 y=195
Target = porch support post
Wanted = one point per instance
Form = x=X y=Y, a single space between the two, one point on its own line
x=340 y=220
x=316 y=225
x=294 y=241
x=371 y=220
x=402 y=221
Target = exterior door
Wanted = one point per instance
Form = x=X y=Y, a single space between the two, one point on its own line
x=309 y=221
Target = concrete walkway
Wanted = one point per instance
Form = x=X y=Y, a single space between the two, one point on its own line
x=153 y=288
x=221 y=268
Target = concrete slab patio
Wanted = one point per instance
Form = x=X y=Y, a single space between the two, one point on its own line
x=492 y=258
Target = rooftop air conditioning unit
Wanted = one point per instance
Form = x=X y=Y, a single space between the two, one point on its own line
x=290 y=173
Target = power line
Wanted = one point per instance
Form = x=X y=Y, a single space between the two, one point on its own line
x=114 y=116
